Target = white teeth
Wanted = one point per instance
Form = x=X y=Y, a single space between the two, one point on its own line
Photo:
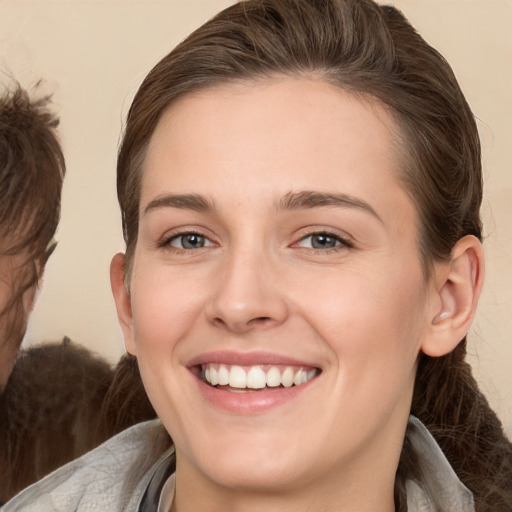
x=255 y=377
x=273 y=377
x=237 y=377
x=287 y=378
x=223 y=375
x=214 y=377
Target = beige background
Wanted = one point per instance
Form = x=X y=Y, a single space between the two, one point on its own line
x=93 y=55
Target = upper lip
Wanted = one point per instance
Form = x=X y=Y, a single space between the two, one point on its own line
x=247 y=359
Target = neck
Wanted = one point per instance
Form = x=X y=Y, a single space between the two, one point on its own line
x=281 y=502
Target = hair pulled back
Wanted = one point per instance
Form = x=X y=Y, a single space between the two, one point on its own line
x=371 y=51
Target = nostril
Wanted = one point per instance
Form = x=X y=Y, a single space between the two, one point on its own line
x=219 y=322
x=243 y=324
x=260 y=320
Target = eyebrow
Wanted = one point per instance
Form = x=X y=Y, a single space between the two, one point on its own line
x=313 y=199
x=193 y=202
x=290 y=201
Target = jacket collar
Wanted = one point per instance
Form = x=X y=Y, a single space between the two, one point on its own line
x=441 y=485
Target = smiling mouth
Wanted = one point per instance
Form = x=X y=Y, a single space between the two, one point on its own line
x=239 y=379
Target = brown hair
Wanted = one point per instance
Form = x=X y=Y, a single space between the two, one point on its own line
x=32 y=169
x=373 y=51
x=49 y=412
x=61 y=401
x=126 y=402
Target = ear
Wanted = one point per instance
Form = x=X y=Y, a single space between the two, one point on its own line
x=457 y=287
x=122 y=300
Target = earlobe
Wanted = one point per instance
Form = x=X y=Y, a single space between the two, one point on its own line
x=122 y=301
x=458 y=284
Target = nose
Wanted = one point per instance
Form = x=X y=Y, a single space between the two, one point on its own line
x=247 y=295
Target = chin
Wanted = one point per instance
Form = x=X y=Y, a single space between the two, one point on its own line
x=256 y=474
x=252 y=462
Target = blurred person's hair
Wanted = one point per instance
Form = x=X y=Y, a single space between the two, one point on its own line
x=32 y=169
x=61 y=401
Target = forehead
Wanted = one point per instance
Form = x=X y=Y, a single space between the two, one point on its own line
x=270 y=136
x=281 y=106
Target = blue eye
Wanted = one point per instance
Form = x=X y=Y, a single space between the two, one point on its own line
x=189 y=241
x=322 y=241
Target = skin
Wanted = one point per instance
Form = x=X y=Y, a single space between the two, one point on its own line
x=360 y=311
x=10 y=342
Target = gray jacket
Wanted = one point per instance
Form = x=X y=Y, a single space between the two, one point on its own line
x=127 y=473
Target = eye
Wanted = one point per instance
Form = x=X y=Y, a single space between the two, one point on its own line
x=323 y=241
x=189 y=241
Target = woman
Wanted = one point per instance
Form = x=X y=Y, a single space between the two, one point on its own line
x=300 y=186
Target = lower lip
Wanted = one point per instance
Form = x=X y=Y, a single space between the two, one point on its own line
x=251 y=402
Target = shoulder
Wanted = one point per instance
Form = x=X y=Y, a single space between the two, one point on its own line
x=111 y=477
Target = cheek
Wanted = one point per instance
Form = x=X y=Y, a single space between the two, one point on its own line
x=164 y=306
x=13 y=324
x=7 y=361
x=370 y=320
x=29 y=300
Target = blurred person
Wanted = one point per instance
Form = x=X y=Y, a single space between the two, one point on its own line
x=32 y=169
x=59 y=400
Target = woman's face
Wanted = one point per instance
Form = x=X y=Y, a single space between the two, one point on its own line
x=277 y=253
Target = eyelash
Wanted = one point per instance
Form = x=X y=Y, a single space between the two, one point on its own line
x=340 y=242
x=166 y=243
